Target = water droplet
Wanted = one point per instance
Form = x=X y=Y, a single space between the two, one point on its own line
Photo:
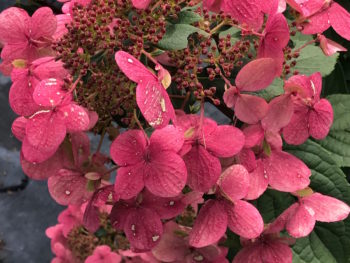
x=130 y=60
x=171 y=203
x=162 y=104
x=265 y=174
x=198 y=258
x=133 y=228
x=155 y=238
x=67 y=192
x=129 y=173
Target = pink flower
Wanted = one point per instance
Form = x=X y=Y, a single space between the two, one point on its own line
x=205 y=143
x=330 y=47
x=71 y=217
x=151 y=96
x=275 y=38
x=320 y=17
x=173 y=247
x=300 y=218
x=141 y=220
x=141 y=4
x=255 y=76
x=26 y=37
x=153 y=163
x=229 y=210
x=26 y=79
x=47 y=128
x=312 y=116
x=268 y=247
x=103 y=254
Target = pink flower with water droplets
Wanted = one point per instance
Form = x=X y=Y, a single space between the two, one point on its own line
x=26 y=37
x=205 y=142
x=154 y=163
x=255 y=76
x=216 y=214
x=151 y=96
x=329 y=47
x=312 y=116
x=300 y=218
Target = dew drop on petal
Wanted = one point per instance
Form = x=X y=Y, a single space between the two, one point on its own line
x=155 y=238
x=171 y=203
x=67 y=192
x=130 y=60
x=198 y=258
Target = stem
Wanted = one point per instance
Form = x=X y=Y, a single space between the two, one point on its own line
x=305 y=45
x=110 y=170
x=149 y=56
x=187 y=97
x=101 y=140
x=247 y=30
x=140 y=126
x=218 y=26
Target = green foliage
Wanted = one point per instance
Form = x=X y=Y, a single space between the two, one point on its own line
x=312 y=59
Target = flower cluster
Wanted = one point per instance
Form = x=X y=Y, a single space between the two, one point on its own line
x=184 y=184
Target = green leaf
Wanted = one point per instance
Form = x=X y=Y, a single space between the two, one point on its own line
x=275 y=89
x=188 y=17
x=329 y=242
x=176 y=36
x=312 y=59
x=341 y=108
x=272 y=203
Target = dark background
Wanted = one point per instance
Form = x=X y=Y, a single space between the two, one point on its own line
x=24 y=214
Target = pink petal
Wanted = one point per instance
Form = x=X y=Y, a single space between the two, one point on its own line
x=143 y=229
x=213 y=5
x=43 y=23
x=35 y=154
x=141 y=4
x=128 y=148
x=320 y=119
x=340 y=20
x=244 y=219
x=80 y=148
x=316 y=85
x=246 y=12
x=234 y=182
x=274 y=139
x=165 y=175
x=210 y=225
x=286 y=173
x=254 y=135
x=256 y=75
x=276 y=31
x=275 y=251
x=225 y=141
x=103 y=254
x=280 y=222
x=269 y=7
x=43 y=170
x=249 y=254
x=49 y=92
x=326 y=208
x=168 y=138
x=166 y=208
x=246 y=157
x=305 y=7
x=301 y=223
x=62 y=21
x=93 y=119
x=133 y=68
x=48 y=67
x=75 y=117
x=21 y=99
x=154 y=103
x=230 y=97
x=318 y=23
x=119 y=214
x=129 y=181
x=250 y=109
x=203 y=169
x=18 y=128
x=45 y=131
x=329 y=47
x=279 y=113
x=171 y=247
x=258 y=182
x=301 y=85
x=13 y=25
x=69 y=188
x=297 y=132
